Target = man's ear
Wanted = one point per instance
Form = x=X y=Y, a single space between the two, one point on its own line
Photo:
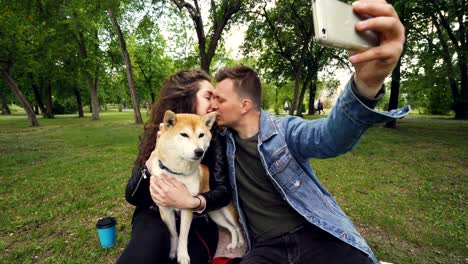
x=246 y=105
x=209 y=119
x=170 y=119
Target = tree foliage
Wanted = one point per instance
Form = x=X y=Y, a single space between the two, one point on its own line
x=280 y=35
x=66 y=56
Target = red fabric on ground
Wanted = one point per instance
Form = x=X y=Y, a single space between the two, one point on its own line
x=220 y=260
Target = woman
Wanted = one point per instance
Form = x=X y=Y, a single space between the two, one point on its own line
x=187 y=91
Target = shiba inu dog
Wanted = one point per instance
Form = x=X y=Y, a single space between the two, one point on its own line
x=181 y=145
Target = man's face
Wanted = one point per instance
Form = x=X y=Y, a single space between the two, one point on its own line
x=226 y=103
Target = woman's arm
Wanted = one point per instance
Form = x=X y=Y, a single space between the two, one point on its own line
x=137 y=191
x=220 y=189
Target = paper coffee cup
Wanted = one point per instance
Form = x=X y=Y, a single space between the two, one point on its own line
x=106 y=231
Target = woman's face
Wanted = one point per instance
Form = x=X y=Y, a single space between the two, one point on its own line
x=204 y=95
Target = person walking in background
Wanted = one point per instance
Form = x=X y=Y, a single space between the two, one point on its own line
x=320 y=107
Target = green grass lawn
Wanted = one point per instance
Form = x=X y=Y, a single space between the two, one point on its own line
x=405 y=189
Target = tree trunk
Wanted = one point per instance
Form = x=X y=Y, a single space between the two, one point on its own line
x=79 y=103
x=94 y=85
x=205 y=62
x=312 y=93
x=48 y=100
x=37 y=95
x=94 y=94
x=461 y=109
x=297 y=80
x=300 y=104
x=3 y=102
x=461 y=104
x=128 y=64
x=38 y=98
x=94 y=106
x=20 y=97
x=394 y=93
x=93 y=82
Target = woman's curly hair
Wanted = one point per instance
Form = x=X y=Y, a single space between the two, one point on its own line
x=178 y=94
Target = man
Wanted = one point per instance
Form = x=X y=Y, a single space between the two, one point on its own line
x=287 y=215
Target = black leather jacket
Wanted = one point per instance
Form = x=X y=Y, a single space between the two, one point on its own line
x=137 y=190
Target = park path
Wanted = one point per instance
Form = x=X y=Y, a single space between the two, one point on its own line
x=437 y=120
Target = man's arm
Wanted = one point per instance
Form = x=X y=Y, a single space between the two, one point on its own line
x=372 y=66
x=329 y=137
x=352 y=115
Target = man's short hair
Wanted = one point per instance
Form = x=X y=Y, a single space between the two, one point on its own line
x=246 y=83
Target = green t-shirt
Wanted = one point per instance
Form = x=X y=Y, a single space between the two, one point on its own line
x=268 y=215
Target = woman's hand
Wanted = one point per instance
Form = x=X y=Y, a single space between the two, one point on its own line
x=169 y=192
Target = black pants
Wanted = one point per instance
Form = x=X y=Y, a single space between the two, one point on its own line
x=150 y=240
x=304 y=245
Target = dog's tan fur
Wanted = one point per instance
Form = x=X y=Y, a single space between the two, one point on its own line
x=180 y=136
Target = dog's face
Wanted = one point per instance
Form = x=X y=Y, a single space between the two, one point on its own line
x=186 y=135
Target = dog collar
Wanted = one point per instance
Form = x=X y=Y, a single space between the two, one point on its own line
x=163 y=167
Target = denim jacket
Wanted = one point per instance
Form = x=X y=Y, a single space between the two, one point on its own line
x=285 y=145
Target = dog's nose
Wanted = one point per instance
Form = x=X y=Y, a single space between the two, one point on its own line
x=199 y=153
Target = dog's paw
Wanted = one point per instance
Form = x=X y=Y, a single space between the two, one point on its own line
x=173 y=251
x=183 y=258
x=172 y=254
x=241 y=241
x=240 y=237
x=231 y=246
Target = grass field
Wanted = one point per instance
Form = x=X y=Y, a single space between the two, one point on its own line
x=405 y=189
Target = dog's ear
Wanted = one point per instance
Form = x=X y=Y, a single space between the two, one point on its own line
x=170 y=119
x=209 y=119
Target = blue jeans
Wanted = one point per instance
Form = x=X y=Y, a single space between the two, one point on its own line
x=303 y=245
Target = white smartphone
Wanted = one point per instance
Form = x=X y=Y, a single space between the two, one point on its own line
x=334 y=26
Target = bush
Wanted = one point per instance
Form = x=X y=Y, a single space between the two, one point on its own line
x=64 y=106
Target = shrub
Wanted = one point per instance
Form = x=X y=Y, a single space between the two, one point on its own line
x=64 y=106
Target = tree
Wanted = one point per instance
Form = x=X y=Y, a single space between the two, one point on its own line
x=14 y=43
x=282 y=35
x=6 y=75
x=221 y=13
x=128 y=64
x=148 y=48
x=85 y=26
x=276 y=27
x=438 y=46
x=450 y=19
